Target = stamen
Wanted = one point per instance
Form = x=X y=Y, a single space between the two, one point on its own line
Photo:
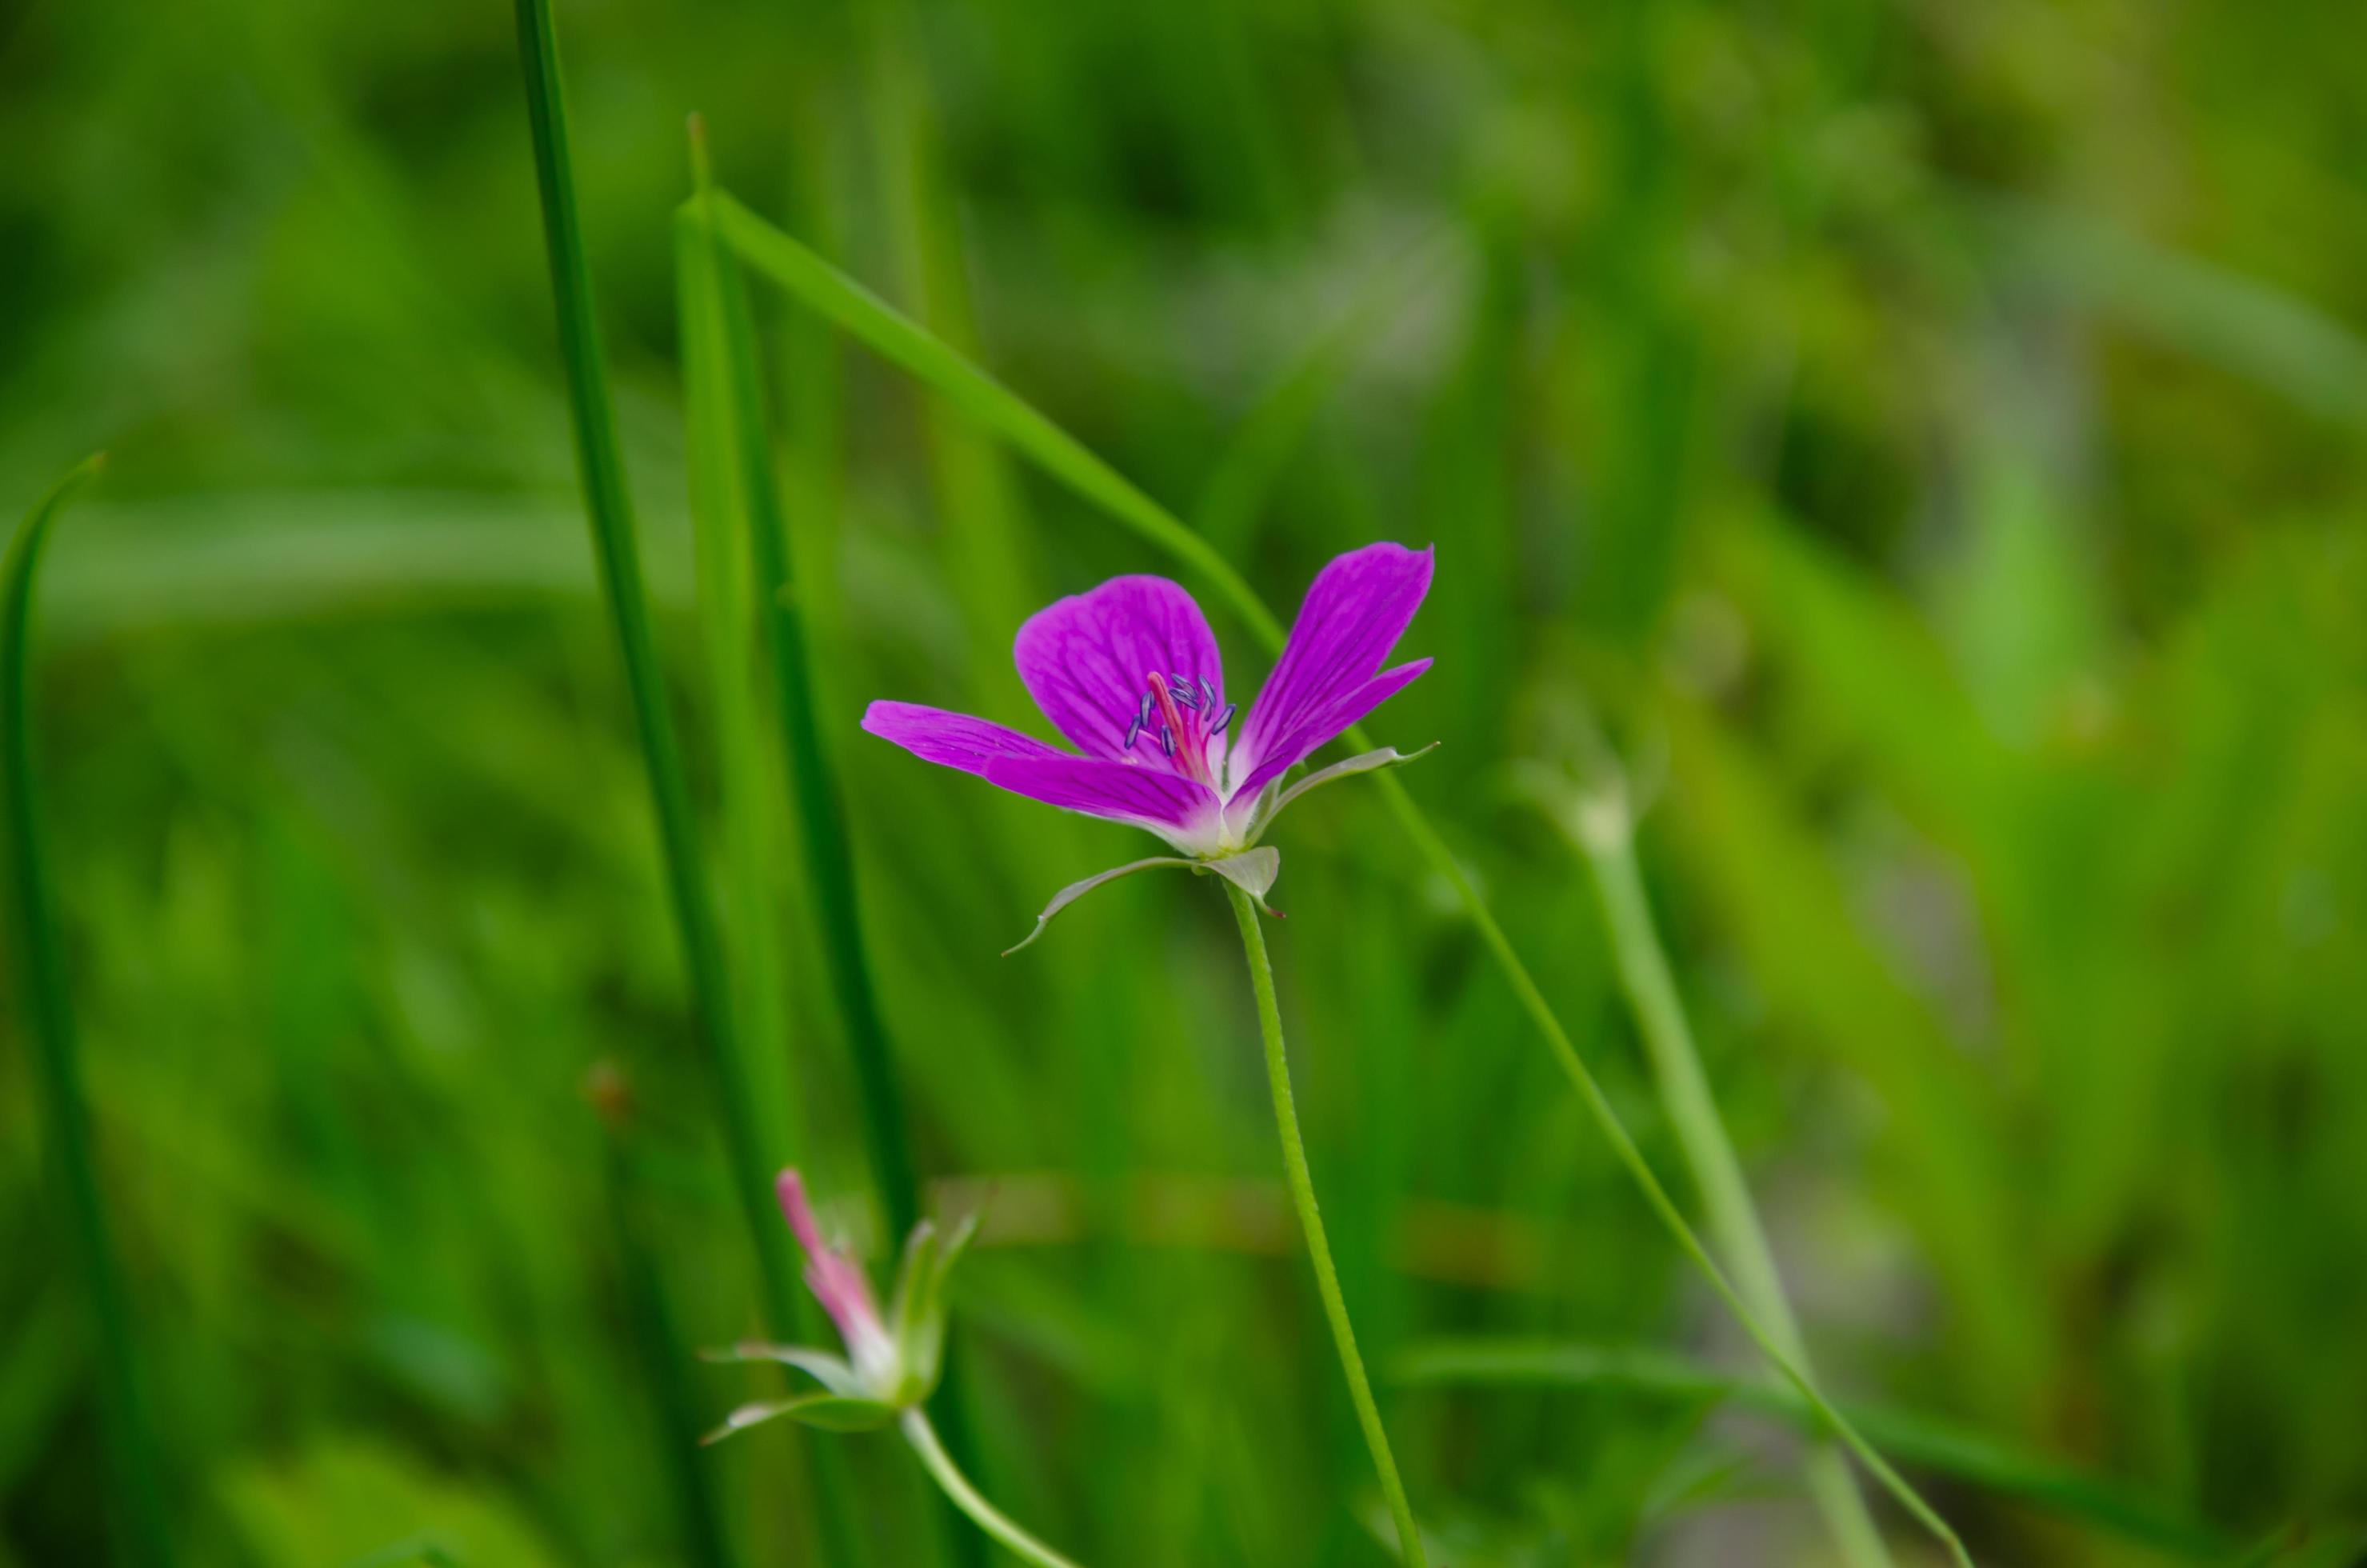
x=1208 y=690
x=1142 y=714
x=1183 y=695
x=1166 y=740
x=1183 y=681
x=1133 y=733
x=1217 y=724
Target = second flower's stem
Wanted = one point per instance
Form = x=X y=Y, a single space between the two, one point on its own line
x=1319 y=1251
x=956 y=1487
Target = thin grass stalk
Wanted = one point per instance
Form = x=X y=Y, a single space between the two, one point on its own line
x=141 y=1533
x=1301 y=1181
x=823 y=287
x=1603 y=826
x=609 y=509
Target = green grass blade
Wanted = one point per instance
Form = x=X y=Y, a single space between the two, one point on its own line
x=896 y=337
x=610 y=512
x=820 y=819
x=142 y=1534
x=823 y=287
x=727 y=617
x=1940 y=1446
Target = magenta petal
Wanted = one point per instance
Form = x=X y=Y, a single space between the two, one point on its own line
x=1180 y=810
x=835 y=1279
x=1286 y=753
x=1087 y=660
x=1354 y=612
x=950 y=740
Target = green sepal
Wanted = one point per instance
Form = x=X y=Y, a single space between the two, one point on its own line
x=830 y=1412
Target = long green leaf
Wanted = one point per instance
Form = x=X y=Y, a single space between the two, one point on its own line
x=610 y=513
x=1940 y=1446
x=138 y=1507
x=823 y=287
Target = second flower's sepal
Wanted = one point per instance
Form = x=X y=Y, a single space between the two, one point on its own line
x=831 y=1411
x=917 y=1315
x=1251 y=870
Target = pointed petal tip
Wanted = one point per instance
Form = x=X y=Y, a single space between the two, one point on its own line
x=790 y=1188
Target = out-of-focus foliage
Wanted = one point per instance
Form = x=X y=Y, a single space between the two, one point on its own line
x=1927 y=439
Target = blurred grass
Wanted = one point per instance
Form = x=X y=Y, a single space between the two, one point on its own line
x=1932 y=431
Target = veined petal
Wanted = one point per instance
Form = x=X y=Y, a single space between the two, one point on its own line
x=1354 y=612
x=836 y=1279
x=950 y=740
x=1087 y=660
x=1286 y=752
x=1182 y=811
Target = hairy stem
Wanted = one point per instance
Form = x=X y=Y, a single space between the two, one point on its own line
x=963 y=1496
x=1311 y=1220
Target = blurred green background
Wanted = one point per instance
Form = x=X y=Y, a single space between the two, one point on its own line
x=1925 y=438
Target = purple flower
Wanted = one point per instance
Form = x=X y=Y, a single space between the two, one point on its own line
x=1130 y=675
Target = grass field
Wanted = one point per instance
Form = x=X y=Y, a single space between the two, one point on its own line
x=1896 y=478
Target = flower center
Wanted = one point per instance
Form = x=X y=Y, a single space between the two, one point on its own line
x=1179 y=717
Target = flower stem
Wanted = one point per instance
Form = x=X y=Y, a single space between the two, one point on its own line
x=1319 y=1251
x=957 y=1489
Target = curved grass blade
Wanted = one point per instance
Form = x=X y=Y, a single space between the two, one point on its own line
x=823 y=287
x=609 y=510
x=1936 y=1445
x=142 y=1534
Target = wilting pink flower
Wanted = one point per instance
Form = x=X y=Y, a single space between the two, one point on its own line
x=1131 y=674
x=839 y=1283
x=892 y=1360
